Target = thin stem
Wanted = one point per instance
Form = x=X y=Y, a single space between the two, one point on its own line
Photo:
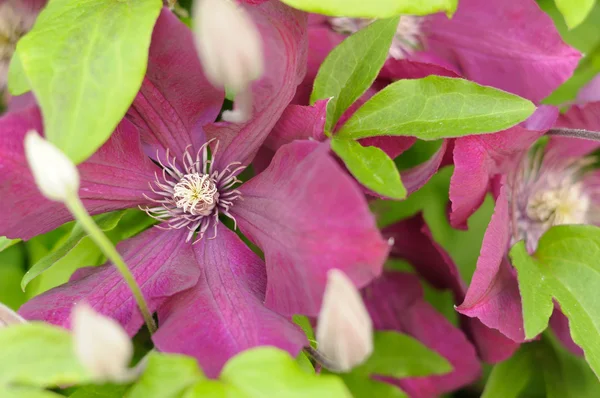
x=321 y=359
x=87 y=222
x=575 y=133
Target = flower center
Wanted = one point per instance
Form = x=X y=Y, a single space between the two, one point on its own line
x=192 y=194
x=407 y=40
x=196 y=194
x=565 y=204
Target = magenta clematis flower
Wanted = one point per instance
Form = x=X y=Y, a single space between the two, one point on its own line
x=512 y=45
x=541 y=188
x=216 y=297
x=395 y=302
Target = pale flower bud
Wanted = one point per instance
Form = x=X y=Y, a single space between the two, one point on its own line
x=344 y=329
x=55 y=174
x=230 y=49
x=9 y=317
x=101 y=345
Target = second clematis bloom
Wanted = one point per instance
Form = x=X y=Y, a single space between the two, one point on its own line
x=216 y=297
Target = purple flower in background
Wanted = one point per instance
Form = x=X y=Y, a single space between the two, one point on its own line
x=548 y=185
x=214 y=298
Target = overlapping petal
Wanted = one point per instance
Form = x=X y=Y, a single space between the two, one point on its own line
x=308 y=216
x=395 y=302
x=224 y=313
x=114 y=178
x=162 y=263
x=175 y=99
x=283 y=31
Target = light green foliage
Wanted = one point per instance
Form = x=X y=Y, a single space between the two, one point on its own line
x=575 y=11
x=85 y=61
x=510 y=377
x=374 y=8
x=5 y=243
x=564 y=267
x=436 y=107
x=36 y=354
x=371 y=167
x=351 y=67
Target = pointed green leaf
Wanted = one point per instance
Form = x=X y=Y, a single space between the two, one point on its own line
x=568 y=269
x=17 y=80
x=38 y=354
x=400 y=355
x=575 y=11
x=5 y=243
x=374 y=8
x=351 y=67
x=84 y=59
x=371 y=166
x=269 y=372
x=510 y=377
x=436 y=107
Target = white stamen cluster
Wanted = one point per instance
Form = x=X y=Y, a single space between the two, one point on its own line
x=544 y=195
x=193 y=194
x=407 y=40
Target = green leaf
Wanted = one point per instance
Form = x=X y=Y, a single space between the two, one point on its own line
x=25 y=392
x=371 y=166
x=535 y=293
x=567 y=269
x=268 y=372
x=5 y=243
x=575 y=11
x=365 y=387
x=351 y=67
x=436 y=107
x=166 y=376
x=17 y=80
x=84 y=59
x=510 y=377
x=213 y=389
x=100 y=391
x=399 y=355
x=373 y=8
x=38 y=354
x=106 y=222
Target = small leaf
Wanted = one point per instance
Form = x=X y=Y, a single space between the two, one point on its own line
x=213 y=389
x=166 y=376
x=365 y=387
x=84 y=59
x=106 y=222
x=269 y=372
x=399 y=355
x=371 y=166
x=567 y=269
x=575 y=11
x=510 y=377
x=351 y=67
x=102 y=391
x=5 y=243
x=40 y=355
x=436 y=107
x=26 y=392
x=17 y=80
x=373 y=8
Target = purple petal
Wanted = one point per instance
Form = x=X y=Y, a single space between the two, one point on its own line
x=395 y=302
x=175 y=99
x=308 y=216
x=492 y=346
x=478 y=158
x=224 y=313
x=585 y=117
x=283 y=31
x=162 y=263
x=395 y=69
x=512 y=45
x=560 y=326
x=114 y=178
x=415 y=177
x=298 y=122
x=493 y=295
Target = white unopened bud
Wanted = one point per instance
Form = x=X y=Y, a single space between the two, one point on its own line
x=344 y=329
x=101 y=345
x=230 y=49
x=9 y=317
x=55 y=174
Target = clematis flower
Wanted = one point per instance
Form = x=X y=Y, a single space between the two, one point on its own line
x=549 y=186
x=512 y=45
x=216 y=297
x=395 y=302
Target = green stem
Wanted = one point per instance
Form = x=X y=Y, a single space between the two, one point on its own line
x=87 y=222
